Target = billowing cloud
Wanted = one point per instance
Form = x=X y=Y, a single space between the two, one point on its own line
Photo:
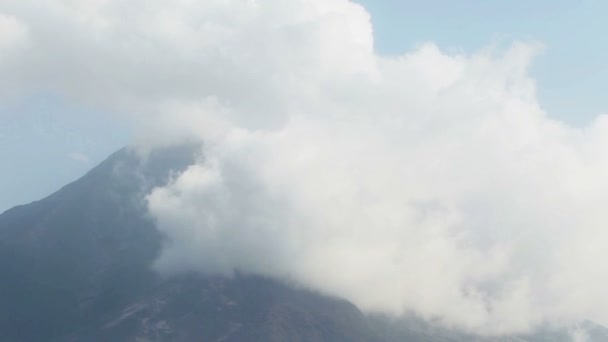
x=143 y=58
x=454 y=197
x=429 y=182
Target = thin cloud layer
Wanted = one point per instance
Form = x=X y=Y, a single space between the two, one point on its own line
x=430 y=183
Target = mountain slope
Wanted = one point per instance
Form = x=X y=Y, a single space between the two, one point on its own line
x=78 y=254
x=76 y=266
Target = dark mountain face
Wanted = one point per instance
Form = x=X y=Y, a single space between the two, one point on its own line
x=76 y=266
x=77 y=256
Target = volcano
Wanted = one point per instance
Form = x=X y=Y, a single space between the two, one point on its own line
x=77 y=266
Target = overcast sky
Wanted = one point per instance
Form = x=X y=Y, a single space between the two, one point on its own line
x=45 y=142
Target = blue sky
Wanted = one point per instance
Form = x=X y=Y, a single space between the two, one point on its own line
x=45 y=143
x=571 y=72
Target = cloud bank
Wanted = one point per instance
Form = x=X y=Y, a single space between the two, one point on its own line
x=429 y=182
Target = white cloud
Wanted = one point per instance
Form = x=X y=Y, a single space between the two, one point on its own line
x=452 y=197
x=427 y=182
